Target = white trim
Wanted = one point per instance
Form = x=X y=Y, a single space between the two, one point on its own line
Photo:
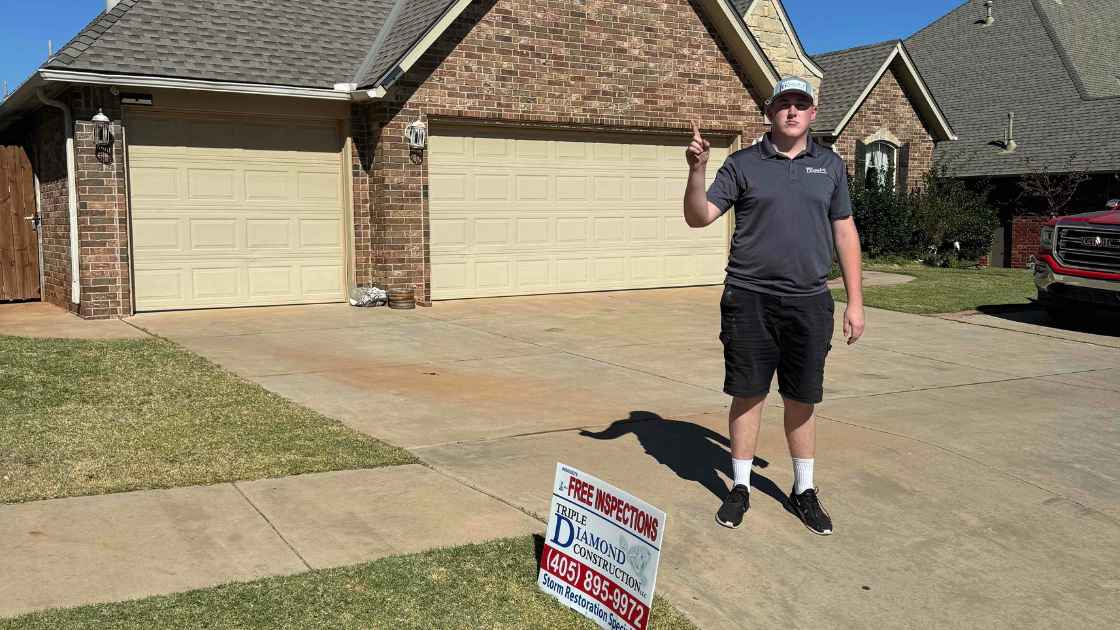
x=133 y=80
x=933 y=106
x=420 y=47
x=71 y=195
x=930 y=104
x=793 y=38
x=765 y=73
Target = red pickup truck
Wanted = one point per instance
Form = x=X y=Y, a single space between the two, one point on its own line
x=1077 y=269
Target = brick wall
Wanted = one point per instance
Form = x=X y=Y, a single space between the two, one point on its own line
x=776 y=42
x=102 y=209
x=608 y=65
x=887 y=108
x=49 y=158
x=1025 y=238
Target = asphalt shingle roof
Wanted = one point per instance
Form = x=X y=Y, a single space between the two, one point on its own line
x=279 y=42
x=846 y=75
x=413 y=20
x=979 y=73
x=1088 y=31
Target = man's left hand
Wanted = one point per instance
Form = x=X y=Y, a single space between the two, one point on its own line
x=853 y=323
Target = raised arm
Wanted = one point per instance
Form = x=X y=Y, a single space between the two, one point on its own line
x=698 y=211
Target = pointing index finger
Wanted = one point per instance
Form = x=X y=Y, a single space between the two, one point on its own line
x=695 y=130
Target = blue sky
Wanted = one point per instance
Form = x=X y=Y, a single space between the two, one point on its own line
x=28 y=24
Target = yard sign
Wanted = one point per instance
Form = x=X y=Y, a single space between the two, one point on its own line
x=601 y=551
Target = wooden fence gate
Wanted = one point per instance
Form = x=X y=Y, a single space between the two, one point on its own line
x=19 y=242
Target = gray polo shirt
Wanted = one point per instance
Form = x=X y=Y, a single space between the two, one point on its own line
x=784 y=211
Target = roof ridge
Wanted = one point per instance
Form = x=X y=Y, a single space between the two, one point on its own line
x=379 y=41
x=855 y=48
x=105 y=19
x=1063 y=54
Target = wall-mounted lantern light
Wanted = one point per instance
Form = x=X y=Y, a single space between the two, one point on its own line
x=102 y=133
x=417 y=134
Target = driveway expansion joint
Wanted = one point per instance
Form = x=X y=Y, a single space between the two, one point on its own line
x=272 y=525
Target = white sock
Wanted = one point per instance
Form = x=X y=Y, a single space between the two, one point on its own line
x=802 y=475
x=742 y=469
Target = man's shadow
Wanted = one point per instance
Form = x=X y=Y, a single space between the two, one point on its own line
x=693 y=452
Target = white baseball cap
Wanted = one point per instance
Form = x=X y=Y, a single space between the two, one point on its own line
x=792 y=84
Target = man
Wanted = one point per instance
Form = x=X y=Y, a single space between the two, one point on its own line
x=791 y=207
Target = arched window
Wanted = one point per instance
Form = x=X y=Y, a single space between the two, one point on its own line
x=880 y=163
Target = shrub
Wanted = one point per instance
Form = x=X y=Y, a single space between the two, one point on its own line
x=954 y=222
x=884 y=218
x=945 y=222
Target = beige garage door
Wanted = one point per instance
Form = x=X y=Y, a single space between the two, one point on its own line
x=235 y=212
x=516 y=213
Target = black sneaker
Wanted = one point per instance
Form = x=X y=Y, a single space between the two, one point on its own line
x=736 y=504
x=808 y=508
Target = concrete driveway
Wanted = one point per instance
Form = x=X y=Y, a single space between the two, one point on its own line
x=971 y=464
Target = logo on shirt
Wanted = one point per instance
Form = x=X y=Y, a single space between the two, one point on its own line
x=816 y=171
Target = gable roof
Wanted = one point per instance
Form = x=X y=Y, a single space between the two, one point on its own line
x=275 y=42
x=850 y=75
x=329 y=49
x=846 y=74
x=1022 y=63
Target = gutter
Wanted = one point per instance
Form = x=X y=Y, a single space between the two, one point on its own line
x=71 y=195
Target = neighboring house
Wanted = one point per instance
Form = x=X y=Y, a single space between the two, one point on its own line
x=1055 y=66
x=874 y=107
x=877 y=113
x=260 y=151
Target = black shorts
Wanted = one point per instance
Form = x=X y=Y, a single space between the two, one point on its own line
x=762 y=333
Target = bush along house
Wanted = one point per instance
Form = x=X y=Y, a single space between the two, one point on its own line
x=194 y=154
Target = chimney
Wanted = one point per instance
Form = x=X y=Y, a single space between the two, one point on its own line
x=109 y=4
x=988 y=19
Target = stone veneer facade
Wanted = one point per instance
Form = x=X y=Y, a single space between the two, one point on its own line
x=777 y=42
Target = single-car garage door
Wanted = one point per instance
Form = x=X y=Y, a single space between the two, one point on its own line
x=523 y=212
x=236 y=212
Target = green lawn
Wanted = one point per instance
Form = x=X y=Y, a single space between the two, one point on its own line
x=91 y=417
x=491 y=586
x=936 y=290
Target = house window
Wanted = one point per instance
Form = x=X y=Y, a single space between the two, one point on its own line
x=881 y=163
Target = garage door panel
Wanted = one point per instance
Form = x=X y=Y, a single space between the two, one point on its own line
x=157 y=234
x=244 y=214
x=538 y=212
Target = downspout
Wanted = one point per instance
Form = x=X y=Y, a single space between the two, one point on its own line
x=71 y=195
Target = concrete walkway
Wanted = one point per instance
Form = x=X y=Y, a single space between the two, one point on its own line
x=83 y=550
x=39 y=319
x=971 y=468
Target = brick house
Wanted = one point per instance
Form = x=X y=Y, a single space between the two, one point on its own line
x=877 y=113
x=268 y=152
x=874 y=107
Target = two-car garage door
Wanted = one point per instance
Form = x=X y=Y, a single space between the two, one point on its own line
x=249 y=212
x=236 y=212
x=516 y=213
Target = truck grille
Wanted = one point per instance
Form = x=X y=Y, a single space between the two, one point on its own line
x=1092 y=247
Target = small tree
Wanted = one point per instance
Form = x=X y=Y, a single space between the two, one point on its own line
x=1054 y=189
